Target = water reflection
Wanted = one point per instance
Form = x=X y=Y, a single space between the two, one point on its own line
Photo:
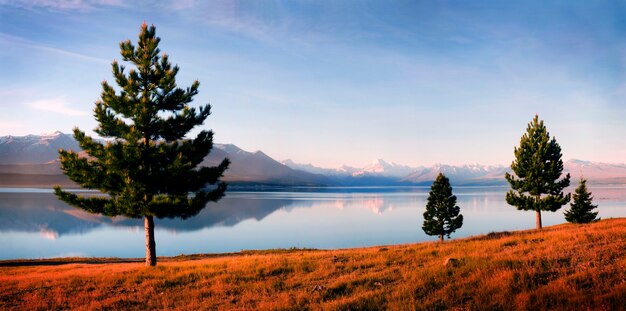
x=37 y=225
x=45 y=214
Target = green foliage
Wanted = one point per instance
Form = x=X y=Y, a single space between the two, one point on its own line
x=442 y=214
x=537 y=167
x=146 y=167
x=581 y=208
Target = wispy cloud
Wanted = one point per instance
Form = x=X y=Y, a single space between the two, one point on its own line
x=266 y=21
x=57 y=105
x=14 y=40
x=182 y=4
x=230 y=15
x=71 y=5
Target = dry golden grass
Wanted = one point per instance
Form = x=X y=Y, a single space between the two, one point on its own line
x=563 y=267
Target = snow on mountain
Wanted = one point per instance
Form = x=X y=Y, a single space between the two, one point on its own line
x=346 y=169
x=381 y=172
x=343 y=170
x=382 y=168
x=379 y=167
x=595 y=171
x=34 y=149
x=38 y=154
x=309 y=168
x=464 y=174
x=231 y=149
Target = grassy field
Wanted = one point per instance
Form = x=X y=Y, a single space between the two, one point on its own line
x=562 y=267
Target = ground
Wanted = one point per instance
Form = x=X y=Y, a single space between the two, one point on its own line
x=561 y=267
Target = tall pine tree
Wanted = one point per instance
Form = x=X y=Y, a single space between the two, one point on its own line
x=147 y=167
x=581 y=211
x=442 y=214
x=537 y=167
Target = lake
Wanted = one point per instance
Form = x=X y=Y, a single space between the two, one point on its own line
x=34 y=224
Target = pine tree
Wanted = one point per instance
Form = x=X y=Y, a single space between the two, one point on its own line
x=146 y=168
x=537 y=167
x=442 y=214
x=581 y=208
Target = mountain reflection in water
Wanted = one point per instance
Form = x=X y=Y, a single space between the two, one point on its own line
x=35 y=224
x=44 y=213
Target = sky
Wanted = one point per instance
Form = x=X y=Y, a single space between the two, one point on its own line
x=340 y=82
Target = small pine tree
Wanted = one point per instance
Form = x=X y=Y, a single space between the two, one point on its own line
x=148 y=168
x=581 y=207
x=537 y=167
x=442 y=214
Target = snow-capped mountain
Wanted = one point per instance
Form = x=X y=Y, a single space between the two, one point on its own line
x=593 y=171
x=313 y=169
x=346 y=170
x=382 y=168
x=464 y=174
x=379 y=167
x=34 y=149
x=381 y=172
x=342 y=171
x=384 y=173
x=37 y=155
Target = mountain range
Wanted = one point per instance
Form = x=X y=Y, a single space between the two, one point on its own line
x=32 y=160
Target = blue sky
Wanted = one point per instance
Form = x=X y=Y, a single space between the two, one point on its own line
x=340 y=82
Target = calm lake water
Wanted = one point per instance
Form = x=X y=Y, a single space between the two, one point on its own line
x=34 y=224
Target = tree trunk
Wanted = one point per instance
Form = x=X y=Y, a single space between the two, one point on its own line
x=538 y=219
x=441 y=238
x=150 y=243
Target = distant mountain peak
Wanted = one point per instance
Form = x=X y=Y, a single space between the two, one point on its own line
x=230 y=148
x=380 y=161
x=288 y=161
x=384 y=168
x=299 y=166
x=258 y=167
x=579 y=162
x=261 y=155
x=52 y=135
x=35 y=149
x=347 y=169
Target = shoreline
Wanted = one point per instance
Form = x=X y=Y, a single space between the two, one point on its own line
x=561 y=267
x=53 y=261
